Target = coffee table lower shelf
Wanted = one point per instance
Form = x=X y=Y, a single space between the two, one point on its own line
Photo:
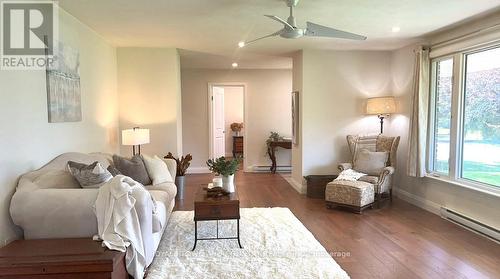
x=217 y=235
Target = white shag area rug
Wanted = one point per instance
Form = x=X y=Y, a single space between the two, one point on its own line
x=275 y=245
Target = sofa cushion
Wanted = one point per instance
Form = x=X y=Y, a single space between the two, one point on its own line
x=167 y=187
x=133 y=168
x=371 y=163
x=58 y=179
x=89 y=176
x=157 y=169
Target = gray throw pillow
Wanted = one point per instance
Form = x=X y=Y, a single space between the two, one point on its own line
x=133 y=168
x=114 y=171
x=89 y=176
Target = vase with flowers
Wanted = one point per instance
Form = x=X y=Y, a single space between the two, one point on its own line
x=236 y=128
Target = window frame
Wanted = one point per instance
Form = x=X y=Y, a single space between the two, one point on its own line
x=455 y=161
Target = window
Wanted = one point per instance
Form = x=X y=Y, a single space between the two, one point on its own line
x=481 y=124
x=442 y=120
x=466 y=148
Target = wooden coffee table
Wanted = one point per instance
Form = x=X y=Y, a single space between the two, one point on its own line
x=215 y=209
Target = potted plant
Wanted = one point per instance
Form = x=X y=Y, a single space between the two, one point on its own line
x=225 y=168
x=236 y=128
x=182 y=166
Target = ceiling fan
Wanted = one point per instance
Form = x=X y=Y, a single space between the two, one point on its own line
x=291 y=31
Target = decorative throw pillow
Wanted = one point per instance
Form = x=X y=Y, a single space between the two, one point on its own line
x=114 y=171
x=133 y=168
x=157 y=169
x=369 y=162
x=89 y=176
x=350 y=175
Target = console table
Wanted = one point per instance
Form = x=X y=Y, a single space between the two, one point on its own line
x=286 y=144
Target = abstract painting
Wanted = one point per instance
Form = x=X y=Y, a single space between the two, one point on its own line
x=63 y=86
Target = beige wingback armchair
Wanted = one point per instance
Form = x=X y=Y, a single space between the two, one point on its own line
x=383 y=182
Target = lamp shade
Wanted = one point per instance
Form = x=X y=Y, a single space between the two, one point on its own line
x=135 y=136
x=381 y=105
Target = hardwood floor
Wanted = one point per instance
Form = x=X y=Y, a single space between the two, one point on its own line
x=397 y=241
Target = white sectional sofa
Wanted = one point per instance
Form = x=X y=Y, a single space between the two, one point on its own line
x=49 y=202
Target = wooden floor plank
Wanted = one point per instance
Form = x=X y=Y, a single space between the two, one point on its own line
x=397 y=241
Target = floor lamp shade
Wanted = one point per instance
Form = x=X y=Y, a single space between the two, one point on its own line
x=381 y=106
x=135 y=136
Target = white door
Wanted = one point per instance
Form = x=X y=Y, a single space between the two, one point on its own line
x=218 y=123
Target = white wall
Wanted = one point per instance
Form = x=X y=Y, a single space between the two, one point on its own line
x=267 y=106
x=233 y=113
x=150 y=97
x=335 y=85
x=28 y=141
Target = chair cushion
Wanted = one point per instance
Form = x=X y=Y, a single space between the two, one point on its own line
x=371 y=163
x=354 y=193
x=369 y=178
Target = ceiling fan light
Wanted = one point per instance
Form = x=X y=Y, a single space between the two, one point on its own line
x=241 y=44
x=234 y=65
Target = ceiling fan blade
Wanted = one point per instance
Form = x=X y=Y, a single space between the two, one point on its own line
x=316 y=30
x=267 y=36
x=273 y=17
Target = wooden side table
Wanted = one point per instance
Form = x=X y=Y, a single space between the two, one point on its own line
x=215 y=209
x=61 y=258
x=316 y=185
x=237 y=145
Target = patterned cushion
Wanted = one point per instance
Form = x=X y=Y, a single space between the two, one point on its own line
x=355 y=193
x=369 y=178
x=89 y=176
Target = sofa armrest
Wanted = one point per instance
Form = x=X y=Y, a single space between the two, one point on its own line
x=55 y=213
x=344 y=166
x=172 y=167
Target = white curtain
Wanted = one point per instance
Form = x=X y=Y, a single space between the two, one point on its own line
x=420 y=111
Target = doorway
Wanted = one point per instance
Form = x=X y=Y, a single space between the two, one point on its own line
x=226 y=103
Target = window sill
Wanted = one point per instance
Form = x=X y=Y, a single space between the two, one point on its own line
x=489 y=190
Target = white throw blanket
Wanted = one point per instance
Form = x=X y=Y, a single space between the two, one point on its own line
x=118 y=222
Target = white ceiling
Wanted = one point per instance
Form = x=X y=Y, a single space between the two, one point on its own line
x=208 y=31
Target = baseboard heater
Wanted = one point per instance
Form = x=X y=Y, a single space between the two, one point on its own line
x=267 y=168
x=470 y=224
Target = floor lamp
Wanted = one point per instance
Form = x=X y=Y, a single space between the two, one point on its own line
x=382 y=107
x=135 y=137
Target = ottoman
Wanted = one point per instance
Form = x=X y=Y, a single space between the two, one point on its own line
x=356 y=195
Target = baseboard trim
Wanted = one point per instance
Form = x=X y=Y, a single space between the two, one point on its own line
x=301 y=189
x=418 y=201
x=194 y=170
x=260 y=168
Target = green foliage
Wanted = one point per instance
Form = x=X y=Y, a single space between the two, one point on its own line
x=223 y=166
x=481 y=103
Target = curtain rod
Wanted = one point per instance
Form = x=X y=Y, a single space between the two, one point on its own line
x=465 y=36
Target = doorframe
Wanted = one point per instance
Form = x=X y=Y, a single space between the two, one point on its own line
x=245 y=117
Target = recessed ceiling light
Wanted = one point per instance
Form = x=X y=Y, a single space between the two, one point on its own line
x=241 y=44
x=234 y=65
x=396 y=29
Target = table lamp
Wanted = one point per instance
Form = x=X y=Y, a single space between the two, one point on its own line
x=135 y=137
x=382 y=107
